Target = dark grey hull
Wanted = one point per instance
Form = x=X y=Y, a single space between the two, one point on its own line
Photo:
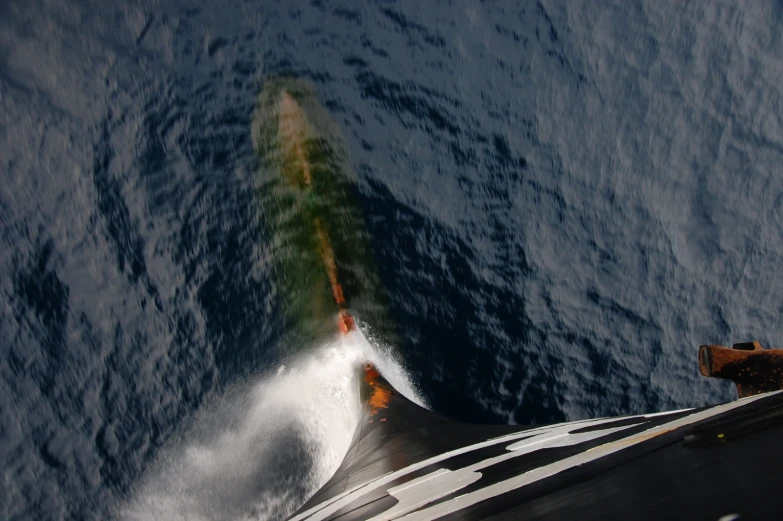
x=718 y=463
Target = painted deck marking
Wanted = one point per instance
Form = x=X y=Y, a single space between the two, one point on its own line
x=332 y=505
x=466 y=500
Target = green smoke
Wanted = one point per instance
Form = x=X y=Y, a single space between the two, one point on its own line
x=299 y=207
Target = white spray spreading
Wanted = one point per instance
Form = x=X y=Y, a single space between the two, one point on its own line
x=260 y=451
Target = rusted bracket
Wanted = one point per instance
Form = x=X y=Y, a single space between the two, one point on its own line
x=751 y=367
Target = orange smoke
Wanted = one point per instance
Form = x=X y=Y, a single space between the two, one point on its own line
x=293 y=128
x=327 y=253
x=346 y=322
x=381 y=395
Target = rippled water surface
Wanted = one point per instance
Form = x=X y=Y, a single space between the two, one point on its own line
x=562 y=203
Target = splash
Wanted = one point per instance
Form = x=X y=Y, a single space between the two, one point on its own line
x=261 y=450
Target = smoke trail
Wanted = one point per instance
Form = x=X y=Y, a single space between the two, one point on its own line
x=260 y=451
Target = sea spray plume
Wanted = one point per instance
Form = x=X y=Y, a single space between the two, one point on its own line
x=323 y=264
x=260 y=450
x=263 y=448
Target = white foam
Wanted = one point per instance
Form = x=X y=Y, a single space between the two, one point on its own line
x=385 y=360
x=259 y=451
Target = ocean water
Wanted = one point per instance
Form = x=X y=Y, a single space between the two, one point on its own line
x=563 y=201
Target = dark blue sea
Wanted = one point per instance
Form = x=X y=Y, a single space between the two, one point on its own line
x=563 y=201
